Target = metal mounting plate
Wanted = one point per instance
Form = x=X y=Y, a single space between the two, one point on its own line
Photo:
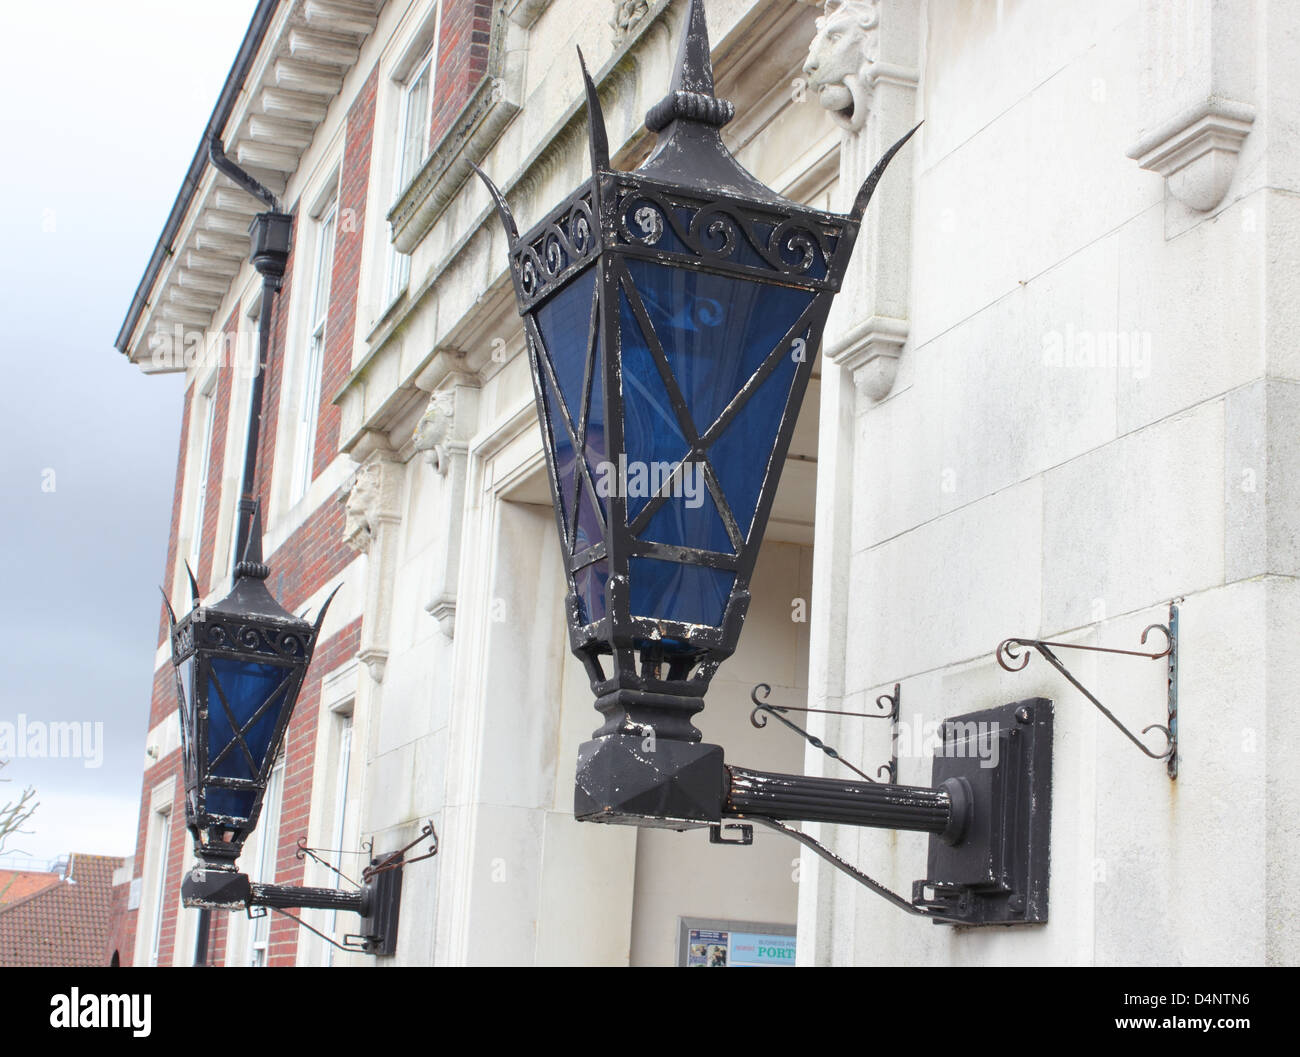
x=379 y=926
x=997 y=873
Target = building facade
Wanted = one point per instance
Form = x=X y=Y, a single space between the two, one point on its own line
x=1058 y=392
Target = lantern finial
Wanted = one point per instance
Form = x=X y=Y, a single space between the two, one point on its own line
x=690 y=96
x=251 y=564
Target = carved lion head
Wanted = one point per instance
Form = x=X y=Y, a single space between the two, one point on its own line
x=840 y=59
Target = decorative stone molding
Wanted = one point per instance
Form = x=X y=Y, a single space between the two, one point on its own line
x=491 y=107
x=1196 y=152
x=443 y=434
x=359 y=497
x=436 y=426
x=870 y=350
x=863 y=65
x=627 y=16
x=288 y=89
x=841 y=58
x=1198 y=88
x=372 y=502
x=525 y=12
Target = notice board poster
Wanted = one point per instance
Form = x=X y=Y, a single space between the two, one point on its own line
x=734 y=944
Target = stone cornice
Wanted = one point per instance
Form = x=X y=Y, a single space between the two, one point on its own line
x=307 y=52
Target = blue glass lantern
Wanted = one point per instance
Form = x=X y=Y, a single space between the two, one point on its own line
x=672 y=317
x=239 y=667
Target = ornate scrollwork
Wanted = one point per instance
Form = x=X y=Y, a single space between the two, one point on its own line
x=796 y=247
x=716 y=232
x=555 y=249
x=252 y=638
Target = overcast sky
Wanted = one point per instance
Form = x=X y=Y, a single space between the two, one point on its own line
x=103 y=107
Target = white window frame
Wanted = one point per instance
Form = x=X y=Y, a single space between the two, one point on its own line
x=314 y=358
x=207 y=396
x=344 y=733
x=264 y=862
x=162 y=837
x=398 y=272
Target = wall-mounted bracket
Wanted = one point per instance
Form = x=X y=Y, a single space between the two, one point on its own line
x=1008 y=655
x=997 y=873
x=888 y=704
x=988 y=813
x=377 y=899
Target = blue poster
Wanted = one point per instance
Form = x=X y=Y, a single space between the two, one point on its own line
x=720 y=948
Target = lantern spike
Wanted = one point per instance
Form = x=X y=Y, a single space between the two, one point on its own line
x=869 y=187
x=320 y=617
x=598 y=137
x=171 y=615
x=194 y=586
x=503 y=207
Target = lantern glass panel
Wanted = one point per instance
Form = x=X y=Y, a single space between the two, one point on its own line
x=244 y=699
x=716 y=333
x=567 y=325
x=589 y=585
x=692 y=594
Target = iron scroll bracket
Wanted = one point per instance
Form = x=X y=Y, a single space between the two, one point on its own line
x=889 y=706
x=1012 y=660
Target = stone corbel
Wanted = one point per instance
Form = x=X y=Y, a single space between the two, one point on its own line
x=1196 y=152
x=870 y=350
x=525 y=12
x=862 y=67
x=1198 y=86
x=443 y=435
x=372 y=503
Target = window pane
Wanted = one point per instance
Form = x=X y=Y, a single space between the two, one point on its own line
x=415 y=131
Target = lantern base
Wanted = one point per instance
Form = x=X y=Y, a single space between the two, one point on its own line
x=215 y=887
x=635 y=781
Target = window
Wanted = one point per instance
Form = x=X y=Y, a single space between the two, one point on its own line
x=263 y=860
x=342 y=827
x=161 y=840
x=412 y=148
x=207 y=412
x=311 y=379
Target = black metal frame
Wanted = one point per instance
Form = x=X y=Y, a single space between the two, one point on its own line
x=247 y=626
x=693 y=207
x=250 y=626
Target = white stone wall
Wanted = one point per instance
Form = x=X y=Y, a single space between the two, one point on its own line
x=1003 y=488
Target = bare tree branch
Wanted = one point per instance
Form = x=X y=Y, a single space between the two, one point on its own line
x=14 y=814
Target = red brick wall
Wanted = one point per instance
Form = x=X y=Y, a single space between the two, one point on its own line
x=341 y=326
x=462 y=60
